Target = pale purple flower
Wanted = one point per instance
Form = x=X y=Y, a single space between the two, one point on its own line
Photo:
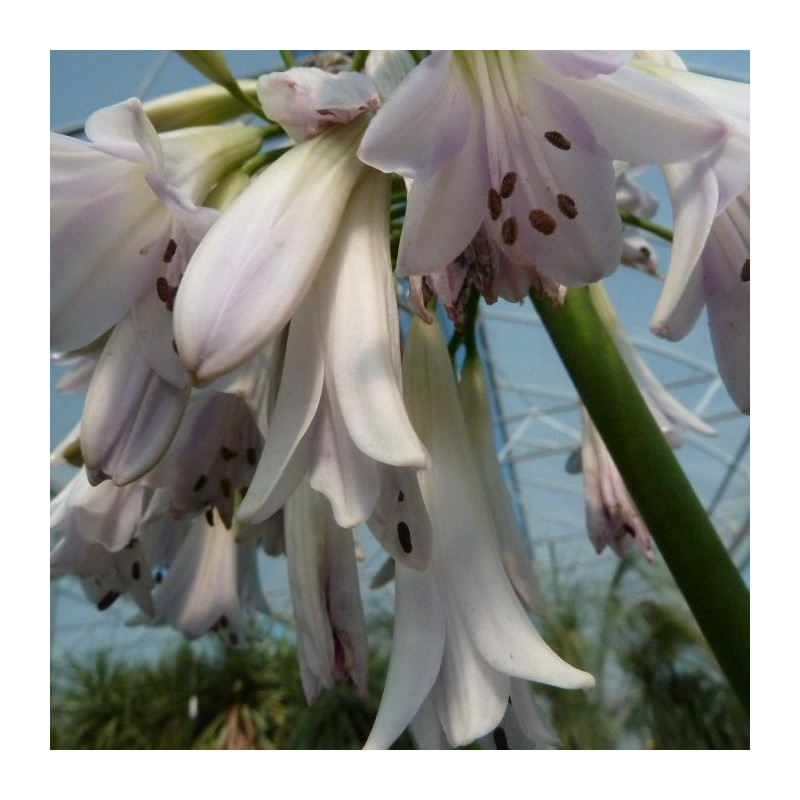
x=125 y=210
x=523 y=143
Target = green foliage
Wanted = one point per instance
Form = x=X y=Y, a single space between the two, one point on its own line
x=245 y=698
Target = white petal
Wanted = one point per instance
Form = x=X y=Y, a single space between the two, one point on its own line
x=694 y=194
x=360 y=331
x=124 y=131
x=424 y=124
x=245 y=281
x=131 y=414
x=417 y=649
x=388 y=68
x=584 y=63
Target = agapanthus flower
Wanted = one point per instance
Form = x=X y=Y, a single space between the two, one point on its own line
x=319 y=256
x=461 y=633
x=523 y=143
x=125 y=211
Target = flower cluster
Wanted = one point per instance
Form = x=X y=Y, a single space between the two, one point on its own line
x=229 y=295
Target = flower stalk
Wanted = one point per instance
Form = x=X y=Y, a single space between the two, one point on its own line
x=688 y=542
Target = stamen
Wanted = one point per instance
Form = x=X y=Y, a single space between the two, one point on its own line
x=510 y=231
x=541 y=221
x=566 y=205
x=174 y=346
x=404 y=536
x=508 y=184
x=172 y=246
x=107 y=600
x=400 y=496
x=227 y=454
x=745 y=273
x=199 y=483
x=495 y=204
x=210 y=516
x=558 y=140
x=500 y=739
x=628 y=529
x=136 y=570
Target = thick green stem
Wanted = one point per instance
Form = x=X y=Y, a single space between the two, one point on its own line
x=686 y=539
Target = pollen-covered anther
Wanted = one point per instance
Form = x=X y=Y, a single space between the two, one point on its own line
x=558 y=140
x=169 y=251
x=400 y=496
x=495 y=204
x=510 y=231
x=226 y=454
x=210 y=516
x=508 y=184
x=404 y=537
x=166 y=293
x=541 y=221
x=745 y=273
x=566 y=205
x=199 y=483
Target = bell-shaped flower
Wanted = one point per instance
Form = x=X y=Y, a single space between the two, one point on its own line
x=124 y=209
x=212 y=458
x=710 y=257
x=339 y=412
x=211 y=585
x=461 y=633
x=523 y=143
x=323 y=579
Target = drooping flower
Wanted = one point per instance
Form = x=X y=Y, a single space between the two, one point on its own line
x=523 y=143
x=331 y=631
x=710 y=258
x=461 y=633
x=125 y=210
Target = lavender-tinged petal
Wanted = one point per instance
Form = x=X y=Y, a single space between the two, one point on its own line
x=694 y=194
x=417 y=650
x=124 y=131
x=584 y=63
x=423 y=126
x=388 y=69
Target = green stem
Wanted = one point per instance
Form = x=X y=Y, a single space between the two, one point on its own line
x=359 y=59
x=288 y=58
x=691 y=548
x=646 y=225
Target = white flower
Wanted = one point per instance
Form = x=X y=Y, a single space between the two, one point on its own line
x=124 y=211
x=461 y=633
x=331 y=632
x=523 y=142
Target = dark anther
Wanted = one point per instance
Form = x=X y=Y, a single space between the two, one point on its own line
x=251 y=456
x=226 y=454
x=225 y=487
x=500 y=740
x=509 y=231
x=210 y=516
x=166 y=293
x=495 y=204
x=223 y=621
x=136 y=570
x=174 y=346
x=508 y=184
x=628 y=529
x=745 y=273
x=566 y=205
x=558 y=140
x=169 y=253
x=199 y=483
x=404 y=535
x=400 y=496
x=107 y=600
x=541 y=221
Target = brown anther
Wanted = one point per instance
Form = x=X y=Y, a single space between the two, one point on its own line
x=558 y=140
x=400 y=496
x=745 y=273
x=225 y=487
x=404 y=537
x=508 y=184
x=541 y=221
x=136 y=570
x=165 y=292
x=169 y=252
x=566 y=205
x=199 y=483
x=227 y=454
x=210 y=516
x=107 y=600
x=251 y=456
x=510 y=231
x=174 y=345
x=495 y=204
